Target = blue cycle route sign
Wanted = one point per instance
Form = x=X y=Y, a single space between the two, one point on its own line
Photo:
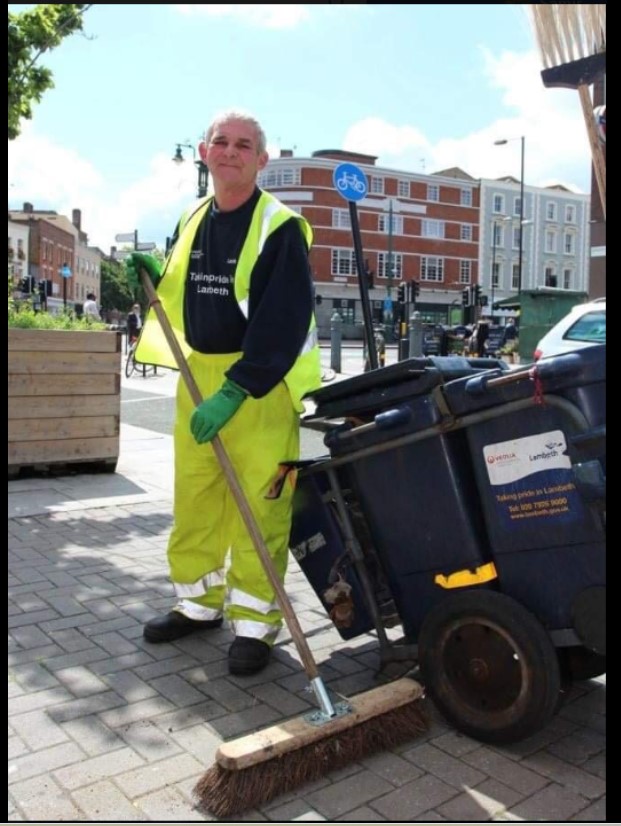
x=350 y=181
x=65 y=271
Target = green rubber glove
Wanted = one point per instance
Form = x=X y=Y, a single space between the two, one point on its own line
x=213 y=413
x=136 y=261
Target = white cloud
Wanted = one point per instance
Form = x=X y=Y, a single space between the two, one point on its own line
x=52 y=177
x=556 y=143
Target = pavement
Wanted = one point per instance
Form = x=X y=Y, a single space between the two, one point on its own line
x=105 y=727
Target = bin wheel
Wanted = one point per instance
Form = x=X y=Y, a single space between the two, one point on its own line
x=489 y=666
x=580 y=663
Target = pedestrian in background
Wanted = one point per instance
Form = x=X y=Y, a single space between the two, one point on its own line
x=134 y=323
x=237 y=287
x=90 y=309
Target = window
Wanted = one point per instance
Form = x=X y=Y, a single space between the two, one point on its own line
x=465 y=232
x=433 y=192
x=515 y=277
x=517 y=207
x=280 y=176
x=516 y=237
x=570 y=214
x=551 y=211
x=432 y=268
x=495 y=278
x=343 y=262
x=403 y=189
x=591 y=327
x=499 y=204
x=569 y=243
x=397 y=223
x=20 y=249
x=550 y=277
x=498 y=236
x=382 y=264
x=432 y=229
x=376 y=185
x=466 y=197
x=346 y=308
x=567 y=279
x=550 y=241
x=465 y=271
x=341 y=219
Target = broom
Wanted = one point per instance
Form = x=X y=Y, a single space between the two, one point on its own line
x=572 y=43
x=254 y=769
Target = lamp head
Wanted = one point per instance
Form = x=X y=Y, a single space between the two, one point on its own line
x=178 y=156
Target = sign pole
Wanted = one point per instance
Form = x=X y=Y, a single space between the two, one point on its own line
x=351 y=183
x=364 y=289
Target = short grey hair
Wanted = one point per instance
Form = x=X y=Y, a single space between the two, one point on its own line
x=244 y=117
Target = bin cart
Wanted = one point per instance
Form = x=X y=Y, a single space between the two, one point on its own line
x=465 y=502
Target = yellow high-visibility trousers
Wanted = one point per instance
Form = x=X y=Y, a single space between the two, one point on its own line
x=207 y=522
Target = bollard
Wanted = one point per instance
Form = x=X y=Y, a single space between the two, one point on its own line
x=416 y=335
x=336 y=333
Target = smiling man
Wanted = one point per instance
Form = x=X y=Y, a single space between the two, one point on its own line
x=237 y=289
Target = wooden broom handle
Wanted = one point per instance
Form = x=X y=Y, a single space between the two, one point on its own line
x=310 y=666
x=599 y=162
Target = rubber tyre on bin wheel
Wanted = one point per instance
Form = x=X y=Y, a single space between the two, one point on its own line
x=489 y=666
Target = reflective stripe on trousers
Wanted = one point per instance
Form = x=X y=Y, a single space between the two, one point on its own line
x=207 y=523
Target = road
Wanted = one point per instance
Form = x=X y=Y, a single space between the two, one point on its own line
x=149 y=401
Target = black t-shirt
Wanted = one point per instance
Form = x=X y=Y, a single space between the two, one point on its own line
x=279 y=303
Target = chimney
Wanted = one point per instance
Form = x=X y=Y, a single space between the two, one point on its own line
x=76 y=218
x=28 y=207
x=286 y=153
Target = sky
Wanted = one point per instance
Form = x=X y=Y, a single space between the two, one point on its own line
x=424 y=87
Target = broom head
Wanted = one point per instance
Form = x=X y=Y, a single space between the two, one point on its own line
x=572 y=42
x=254 y=769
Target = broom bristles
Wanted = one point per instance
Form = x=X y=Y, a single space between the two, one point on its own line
x=225 y=792
x=568 y=31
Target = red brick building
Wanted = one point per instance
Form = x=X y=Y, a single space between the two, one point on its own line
x=413 y=228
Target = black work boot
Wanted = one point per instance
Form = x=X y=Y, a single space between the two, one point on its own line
x=248 y=656
x=175 y=625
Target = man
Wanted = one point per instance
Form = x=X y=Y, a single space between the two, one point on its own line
x=237 y=289
x=134 y=323
x=90 y=309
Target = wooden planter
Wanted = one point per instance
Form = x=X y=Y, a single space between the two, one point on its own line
x=64 y=398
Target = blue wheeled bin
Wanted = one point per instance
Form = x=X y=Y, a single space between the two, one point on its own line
x=538 y=455
x=470 y=497
x=430 y=480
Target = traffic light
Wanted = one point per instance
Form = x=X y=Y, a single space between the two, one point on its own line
x=401 y=293
x=26 y=284
x=318 y=298
x=415 y=290
x=465 y=297
x=477 y=295
x=45 y=287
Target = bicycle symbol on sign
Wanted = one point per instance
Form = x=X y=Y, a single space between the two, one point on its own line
x=350 y=181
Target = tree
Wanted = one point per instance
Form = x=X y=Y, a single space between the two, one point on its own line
x=31 y=34
x=116 y=293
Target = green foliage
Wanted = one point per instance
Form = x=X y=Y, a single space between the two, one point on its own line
x=23 y=316
x=31 y=33
x=116 y=292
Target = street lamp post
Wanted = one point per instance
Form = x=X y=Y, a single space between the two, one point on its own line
x=65 y=273
x=501 y=142
x=203 y=172
x=496 y=222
